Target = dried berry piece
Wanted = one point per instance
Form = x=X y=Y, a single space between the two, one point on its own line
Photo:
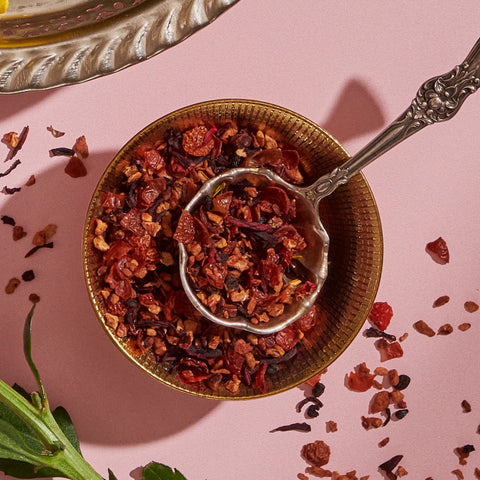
x=61 y=152
x=471 y=307
x=318 y=389
x=389 y=350
x=81 y=147
x=8 y=220
x=196 y=143
x=464 y=452
x=12 y=285
x=34 y=298
x=312 y=411
x=371 y=422
x=423 y=328
x=361 y=379
x=380 y=315
x=316 y=453
x=43 y=236
x=438 y=250
x=75 y=168
x=380 y=402
x=403 y=382
x=464 y=326
x=467 y=408
x=399 y=414
x=28 y=276
x=299 y=427
x=458 y=473
x=390 y=465
x=477 y=472
x=383 y=442
x=446 y=329
x=18 y=233
x=331 y=426
x=440 y=301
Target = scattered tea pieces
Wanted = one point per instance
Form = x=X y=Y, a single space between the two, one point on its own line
x=445 y=329
x=463 y=327
x=10 y=190
x=56 y=133
x=75 y=168
x=312 y=409
x=316 y=453
x=383 y=442
x=466 y=407
x=10 y=169
x=464 y=452
x=15 y=142
x=380 y=315
x=34 y=298
x=38 y=247
x=361 y=379
x=18 y=233
x=331 y=426
x=440 y=301
x=81 y=147
x=298 y=427
x=44 y=235
x=12 y=285
x=6 y=220
x=438 y=250
x=390 y=465
x=470 y=306
x=28 y=275
x=422 y=327
x=31 y=181
x=61 y=152
x=388 y=350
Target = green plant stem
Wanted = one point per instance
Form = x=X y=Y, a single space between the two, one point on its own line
x=59 y=452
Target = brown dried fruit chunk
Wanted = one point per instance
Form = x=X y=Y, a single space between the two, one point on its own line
x=423 y=328
x=477 y=472
x=31 y=181
x=43 y=236
x=380 y=402
x=383 y=442
x=18 y=233
x=34 y=298
x=332 y=426
x=458 y=473
x=75 y=168
x=81 y=147
x=12 y=285
x=440 y=301
x=467 y=408
x=471 y=307
x=464 y=326
x=316 y=453
x=446 y=329
x=371 y=422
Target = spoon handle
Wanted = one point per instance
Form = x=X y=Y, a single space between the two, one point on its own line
x=437 y=100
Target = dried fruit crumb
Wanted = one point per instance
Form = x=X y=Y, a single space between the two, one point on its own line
x=464 y=326
x=383 y=442
x=438 y=250
x=471 y=307
x=440 y=301
x=446 y=329
x=423 y=328
x=466 y=407
x=12 y=285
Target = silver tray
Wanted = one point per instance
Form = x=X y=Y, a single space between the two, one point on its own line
x=49 y=43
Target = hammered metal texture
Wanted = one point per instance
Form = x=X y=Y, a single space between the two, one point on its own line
x=49 y=43
x=349 y=215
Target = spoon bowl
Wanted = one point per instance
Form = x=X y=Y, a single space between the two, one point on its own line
x=437 y=100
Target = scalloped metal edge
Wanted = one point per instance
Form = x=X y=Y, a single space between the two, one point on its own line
x=107 y=49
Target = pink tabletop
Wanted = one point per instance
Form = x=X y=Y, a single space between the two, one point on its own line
x=351 y=67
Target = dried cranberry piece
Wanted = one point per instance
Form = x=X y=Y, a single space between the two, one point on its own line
x=380 y=315
x=438 y=250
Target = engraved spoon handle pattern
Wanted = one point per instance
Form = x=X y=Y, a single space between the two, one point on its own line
x=437 y=100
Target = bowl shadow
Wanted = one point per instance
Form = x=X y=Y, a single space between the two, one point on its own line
x=111 y=401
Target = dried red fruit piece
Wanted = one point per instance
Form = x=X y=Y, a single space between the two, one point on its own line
x=440 y=301
x=80 y=147
x=75 y=168
x=361 y=379
x=316 y=453
x=389 y=350
x=380 y=315
x=438 y=250
x=196 y=143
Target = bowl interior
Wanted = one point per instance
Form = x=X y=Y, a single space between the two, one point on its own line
x=349 y=215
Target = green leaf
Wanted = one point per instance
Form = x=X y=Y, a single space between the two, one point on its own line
x=18 y=469
x=65 y=423
x=158 y=471
x=13 y=446
x=111 y=476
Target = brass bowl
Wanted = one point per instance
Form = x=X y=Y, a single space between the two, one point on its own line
x=349 y=215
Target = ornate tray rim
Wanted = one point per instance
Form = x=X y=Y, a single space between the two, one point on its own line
x=92 y=51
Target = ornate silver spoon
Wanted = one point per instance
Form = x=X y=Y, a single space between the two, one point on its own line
x=437 y=100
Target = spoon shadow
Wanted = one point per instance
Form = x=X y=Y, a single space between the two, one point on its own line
x=13 y=103
x=111 y=401
x=356 y=112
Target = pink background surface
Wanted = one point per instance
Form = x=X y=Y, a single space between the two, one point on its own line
x=351 y=67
